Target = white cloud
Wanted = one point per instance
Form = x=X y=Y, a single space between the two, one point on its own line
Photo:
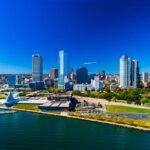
x=89 y=63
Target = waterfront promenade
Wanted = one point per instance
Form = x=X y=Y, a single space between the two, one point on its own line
x=80 y=118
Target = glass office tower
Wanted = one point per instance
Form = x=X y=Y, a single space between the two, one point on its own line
x=129 y=73
x=82 y=75
x=125 y=72
x=11 y=80
x=63 y=69
x=136 y=74
x=37 y=68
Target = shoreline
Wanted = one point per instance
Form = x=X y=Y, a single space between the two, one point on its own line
x=85 y=119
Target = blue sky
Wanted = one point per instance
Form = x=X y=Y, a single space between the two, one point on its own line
x=89 y=30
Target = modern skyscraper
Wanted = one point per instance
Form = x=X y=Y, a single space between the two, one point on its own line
x=11 y=80
x=129 y=73
x=72 y=75
x=63 y=69
x=82 y=75
x=18 y=80
x=53 y=73
x=145 y=77
x=125 y=72
x=37 y=68
x=136 y=74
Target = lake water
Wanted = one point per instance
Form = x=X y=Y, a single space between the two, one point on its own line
x=28 y=131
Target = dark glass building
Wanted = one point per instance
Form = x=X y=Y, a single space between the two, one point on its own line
x=11 y=81
x=36 y=85
x=82 y=75
x=37 y=68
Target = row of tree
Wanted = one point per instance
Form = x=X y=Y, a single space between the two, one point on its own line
x=133 y=95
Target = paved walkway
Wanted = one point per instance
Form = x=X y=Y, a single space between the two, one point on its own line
x=105 y=102
x=64 y=114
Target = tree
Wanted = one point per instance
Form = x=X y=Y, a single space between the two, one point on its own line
x=144 y=100
x=88 y=93
x=107 y=89
x=24 y=93
x=49 y=98
x=108 y=96
x=113 y=99
x=76 y=92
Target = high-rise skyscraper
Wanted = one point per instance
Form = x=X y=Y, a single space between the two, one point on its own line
x=63 y=69
x=136 y=75
x=18 y=80
x=11 y=80
x=145 y=77
x=37 y=68
x=129 y=73
x=72 y=75
x=82 y=75
x=53 y=73
x=125 y=72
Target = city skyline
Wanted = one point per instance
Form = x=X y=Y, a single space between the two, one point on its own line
x=57 y=67
x=90 y=31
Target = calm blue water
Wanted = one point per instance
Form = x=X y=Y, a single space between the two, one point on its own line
x=27 y=131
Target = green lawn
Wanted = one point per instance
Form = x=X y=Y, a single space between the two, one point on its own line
x=27 y=106
x=123 y=121
x=125 y=109
x=2 y=96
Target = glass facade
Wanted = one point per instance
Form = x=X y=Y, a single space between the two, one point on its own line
x=37 y=68
x=11 y=81
x=125 y=72
x=129 y=73
x=82 y=76
x=63 y=69
x=136 y=75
